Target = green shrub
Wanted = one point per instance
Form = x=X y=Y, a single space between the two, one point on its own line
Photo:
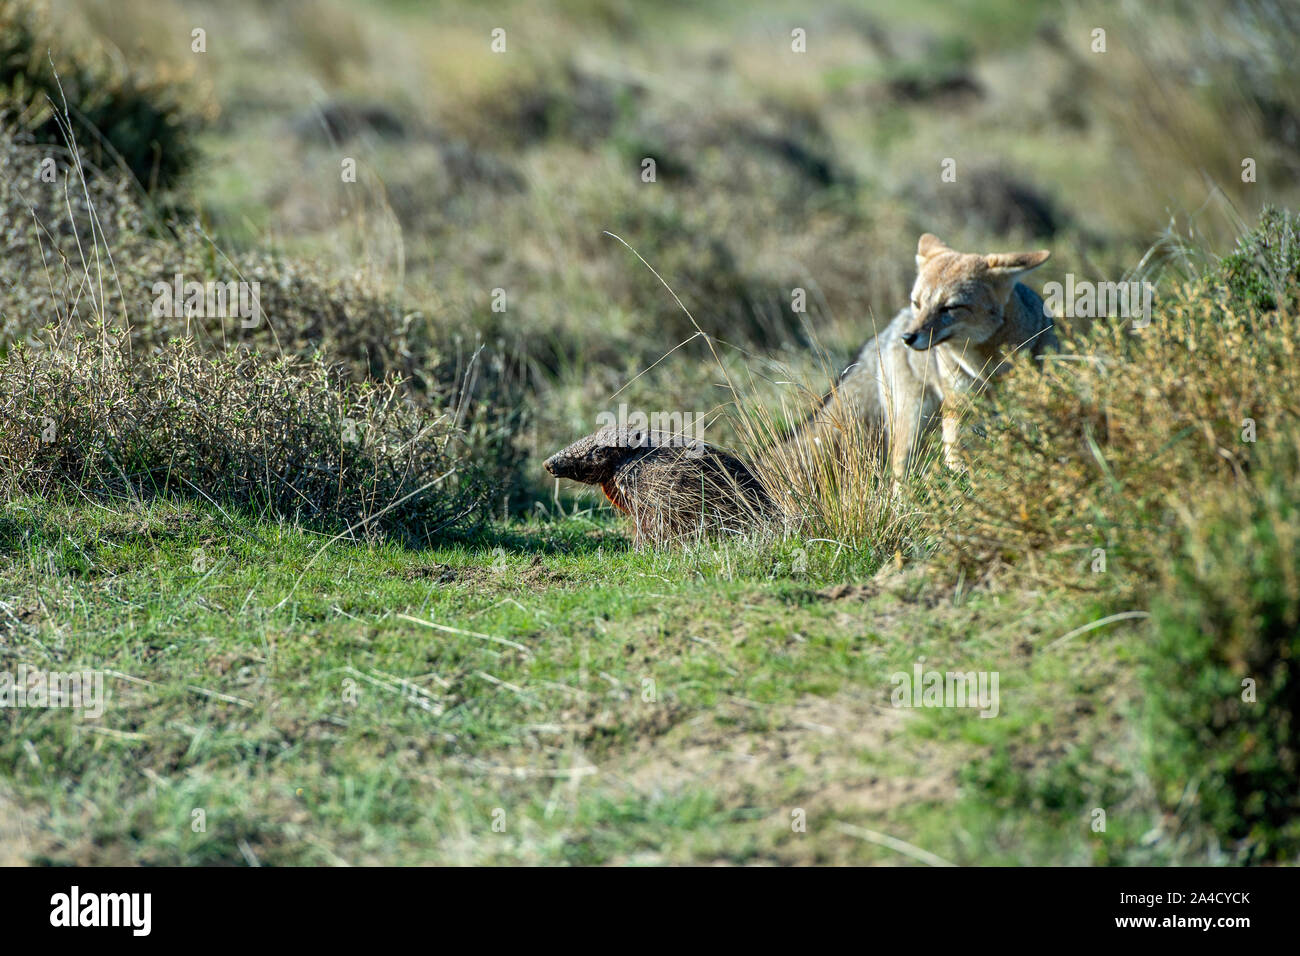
x=118 y=114
x=1103 y=444
x=1230 y=614
x=1264 y=269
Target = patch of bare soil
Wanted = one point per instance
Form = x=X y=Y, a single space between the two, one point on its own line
x=439 y=573
x=909 y=583
x=845 y=756
x=20 y=836
x=534 y=574
x=850 y=592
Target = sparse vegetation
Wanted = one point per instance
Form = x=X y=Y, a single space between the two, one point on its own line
x=298 y=442
x=138 y=118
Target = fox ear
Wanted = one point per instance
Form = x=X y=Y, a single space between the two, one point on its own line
x=928 y=246
x=1014 y=263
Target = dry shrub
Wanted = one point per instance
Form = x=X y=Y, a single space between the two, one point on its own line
x=1104 y=444
x=835 y=488
x=294 y=439
x=81 y=249
x=1094 y=449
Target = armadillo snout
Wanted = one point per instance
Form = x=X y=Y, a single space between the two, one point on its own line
x=560 y=466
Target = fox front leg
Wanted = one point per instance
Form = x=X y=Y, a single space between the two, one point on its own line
x=905 y=433
x=950 y=423
x=901 y=441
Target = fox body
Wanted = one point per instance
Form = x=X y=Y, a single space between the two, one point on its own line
x=967 y=317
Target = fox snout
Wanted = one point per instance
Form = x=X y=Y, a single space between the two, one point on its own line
x=930 y=332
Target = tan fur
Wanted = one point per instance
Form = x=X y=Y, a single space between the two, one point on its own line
x=968 y=316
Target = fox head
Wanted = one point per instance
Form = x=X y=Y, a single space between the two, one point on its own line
x=961 y=297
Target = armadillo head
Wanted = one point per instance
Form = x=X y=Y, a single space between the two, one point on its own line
x=594 y=459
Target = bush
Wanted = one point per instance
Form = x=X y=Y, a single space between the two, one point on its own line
x=1229 y=613
x=52 y=273
x=1176 y=449
x=1264 y=270
x=1101 y=446
x=52 y=270
x=287 y=437
x=118 y=114
x=50 y=265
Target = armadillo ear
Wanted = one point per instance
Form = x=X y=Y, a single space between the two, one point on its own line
x=929 y=245
x=1014 y=263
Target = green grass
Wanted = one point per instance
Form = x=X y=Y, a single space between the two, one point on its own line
x=271 y=680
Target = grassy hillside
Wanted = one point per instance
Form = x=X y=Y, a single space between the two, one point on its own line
x=344 y=617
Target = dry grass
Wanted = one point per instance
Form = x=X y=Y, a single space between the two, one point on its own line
x=837 y=491
x=293 y=439
x=1118 y=431
x=836 y=488
x=307 y=417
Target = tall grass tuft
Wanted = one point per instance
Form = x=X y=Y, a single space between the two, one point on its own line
x=290 y=438
x=833 y=486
